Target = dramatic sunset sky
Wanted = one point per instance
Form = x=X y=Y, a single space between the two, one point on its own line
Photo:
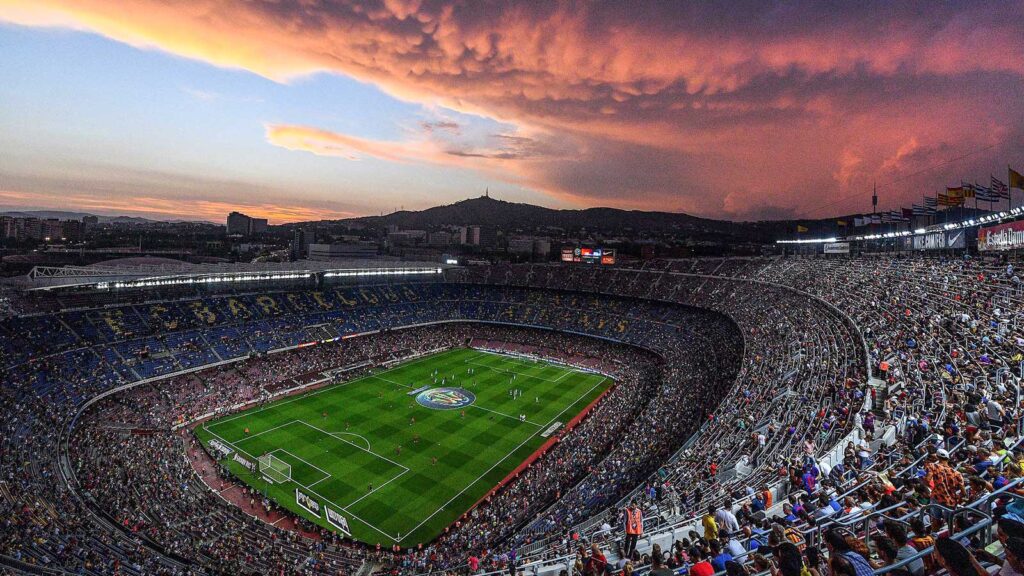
x=309 y=109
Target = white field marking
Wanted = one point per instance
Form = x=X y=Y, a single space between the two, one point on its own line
x=237 y=449
x=327 y=500
x=567 y=372
x=314 y=492
x=478 y=354
x=516 y=418
x=601 y=381
x=251 y=436
x=393 y=382
x=320 y=480
x=336 y=434
x=353 y=503
x=518 y=374
x=525 y=365
x=301 y=396
x=322 y=431
x=304 y=461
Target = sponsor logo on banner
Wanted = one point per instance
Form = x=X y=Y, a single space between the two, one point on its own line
x=932 y=241
x=445 y=398
x=244 y=462
x=307 y=502
x=956 y=239
x=336 y=520
x=551 y=430
x=220 y=447
x=837 y=248
x=1009 y=236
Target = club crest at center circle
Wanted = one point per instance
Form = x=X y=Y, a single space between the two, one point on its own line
x=445 y=398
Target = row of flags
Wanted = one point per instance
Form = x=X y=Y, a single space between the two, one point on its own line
x=996 y=191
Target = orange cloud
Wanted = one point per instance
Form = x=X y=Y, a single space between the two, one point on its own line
x=169 y=208
x=741 y=105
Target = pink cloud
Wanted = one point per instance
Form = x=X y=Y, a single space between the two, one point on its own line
x=724 y=106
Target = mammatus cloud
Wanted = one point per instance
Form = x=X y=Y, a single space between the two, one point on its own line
x=718 y=107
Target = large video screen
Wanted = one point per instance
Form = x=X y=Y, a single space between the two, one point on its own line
x=588 y=255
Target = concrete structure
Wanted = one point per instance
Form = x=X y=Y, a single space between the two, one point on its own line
x=241 y=225
x=342 y=251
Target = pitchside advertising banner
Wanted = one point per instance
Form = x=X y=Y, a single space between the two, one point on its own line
x=313 y=507
x=336 y=520
x=935 y=241
x=307 y=502
x=837 y=248
x=250 y=466
x=1009 y=236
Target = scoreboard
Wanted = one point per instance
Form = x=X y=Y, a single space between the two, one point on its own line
x=588 y=255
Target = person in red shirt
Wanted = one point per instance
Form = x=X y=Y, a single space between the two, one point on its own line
x=702 y=568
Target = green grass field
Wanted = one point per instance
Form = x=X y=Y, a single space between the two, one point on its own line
x=342 y=441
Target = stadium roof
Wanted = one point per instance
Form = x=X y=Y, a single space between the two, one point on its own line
x=167 y=271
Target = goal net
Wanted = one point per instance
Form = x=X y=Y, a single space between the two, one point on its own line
x=274 y=469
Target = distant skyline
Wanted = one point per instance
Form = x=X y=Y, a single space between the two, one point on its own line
x=306 y=111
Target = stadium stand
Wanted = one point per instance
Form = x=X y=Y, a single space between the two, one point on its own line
x=828 y=416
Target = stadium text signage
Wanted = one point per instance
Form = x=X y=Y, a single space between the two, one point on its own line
x=244 y=462
x=336 y=520
x=220 y=447
x=1008 y=236
x=307 y=502
x=445 y=398
x=837 y=248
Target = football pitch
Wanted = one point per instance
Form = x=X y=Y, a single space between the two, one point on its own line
x=395 y=456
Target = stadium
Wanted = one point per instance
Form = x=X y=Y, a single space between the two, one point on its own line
x=511 y=288
x=405 y=419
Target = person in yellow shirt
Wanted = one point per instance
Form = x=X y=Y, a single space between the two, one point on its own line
x=710 y=526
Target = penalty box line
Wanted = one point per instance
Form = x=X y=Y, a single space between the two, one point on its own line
x=513 y=451
x=325 y=499
x=522 y=374
x=346 y=508
x=305 y=395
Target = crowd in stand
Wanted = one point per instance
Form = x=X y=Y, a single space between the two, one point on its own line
x=107 y=451
x=800 y=463
x=939 y=432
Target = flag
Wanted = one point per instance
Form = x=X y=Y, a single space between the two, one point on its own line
x=886 y=217
x=931 y=201
x=999 y=187
x=801 y=228
x=960 y=192
x=876 y=219
x=946 y=200
x=1016 y=180
x=858 y=222
x=908 y=214
x=919 y=210
x=841 y=223
x=984 y=194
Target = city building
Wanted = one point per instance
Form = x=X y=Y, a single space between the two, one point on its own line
x=239 y=224
x=439 y=239
x=342 y=251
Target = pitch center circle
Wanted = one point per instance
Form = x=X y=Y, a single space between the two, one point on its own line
x=445 y=398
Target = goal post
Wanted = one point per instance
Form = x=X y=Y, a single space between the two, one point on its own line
x=274 y=469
